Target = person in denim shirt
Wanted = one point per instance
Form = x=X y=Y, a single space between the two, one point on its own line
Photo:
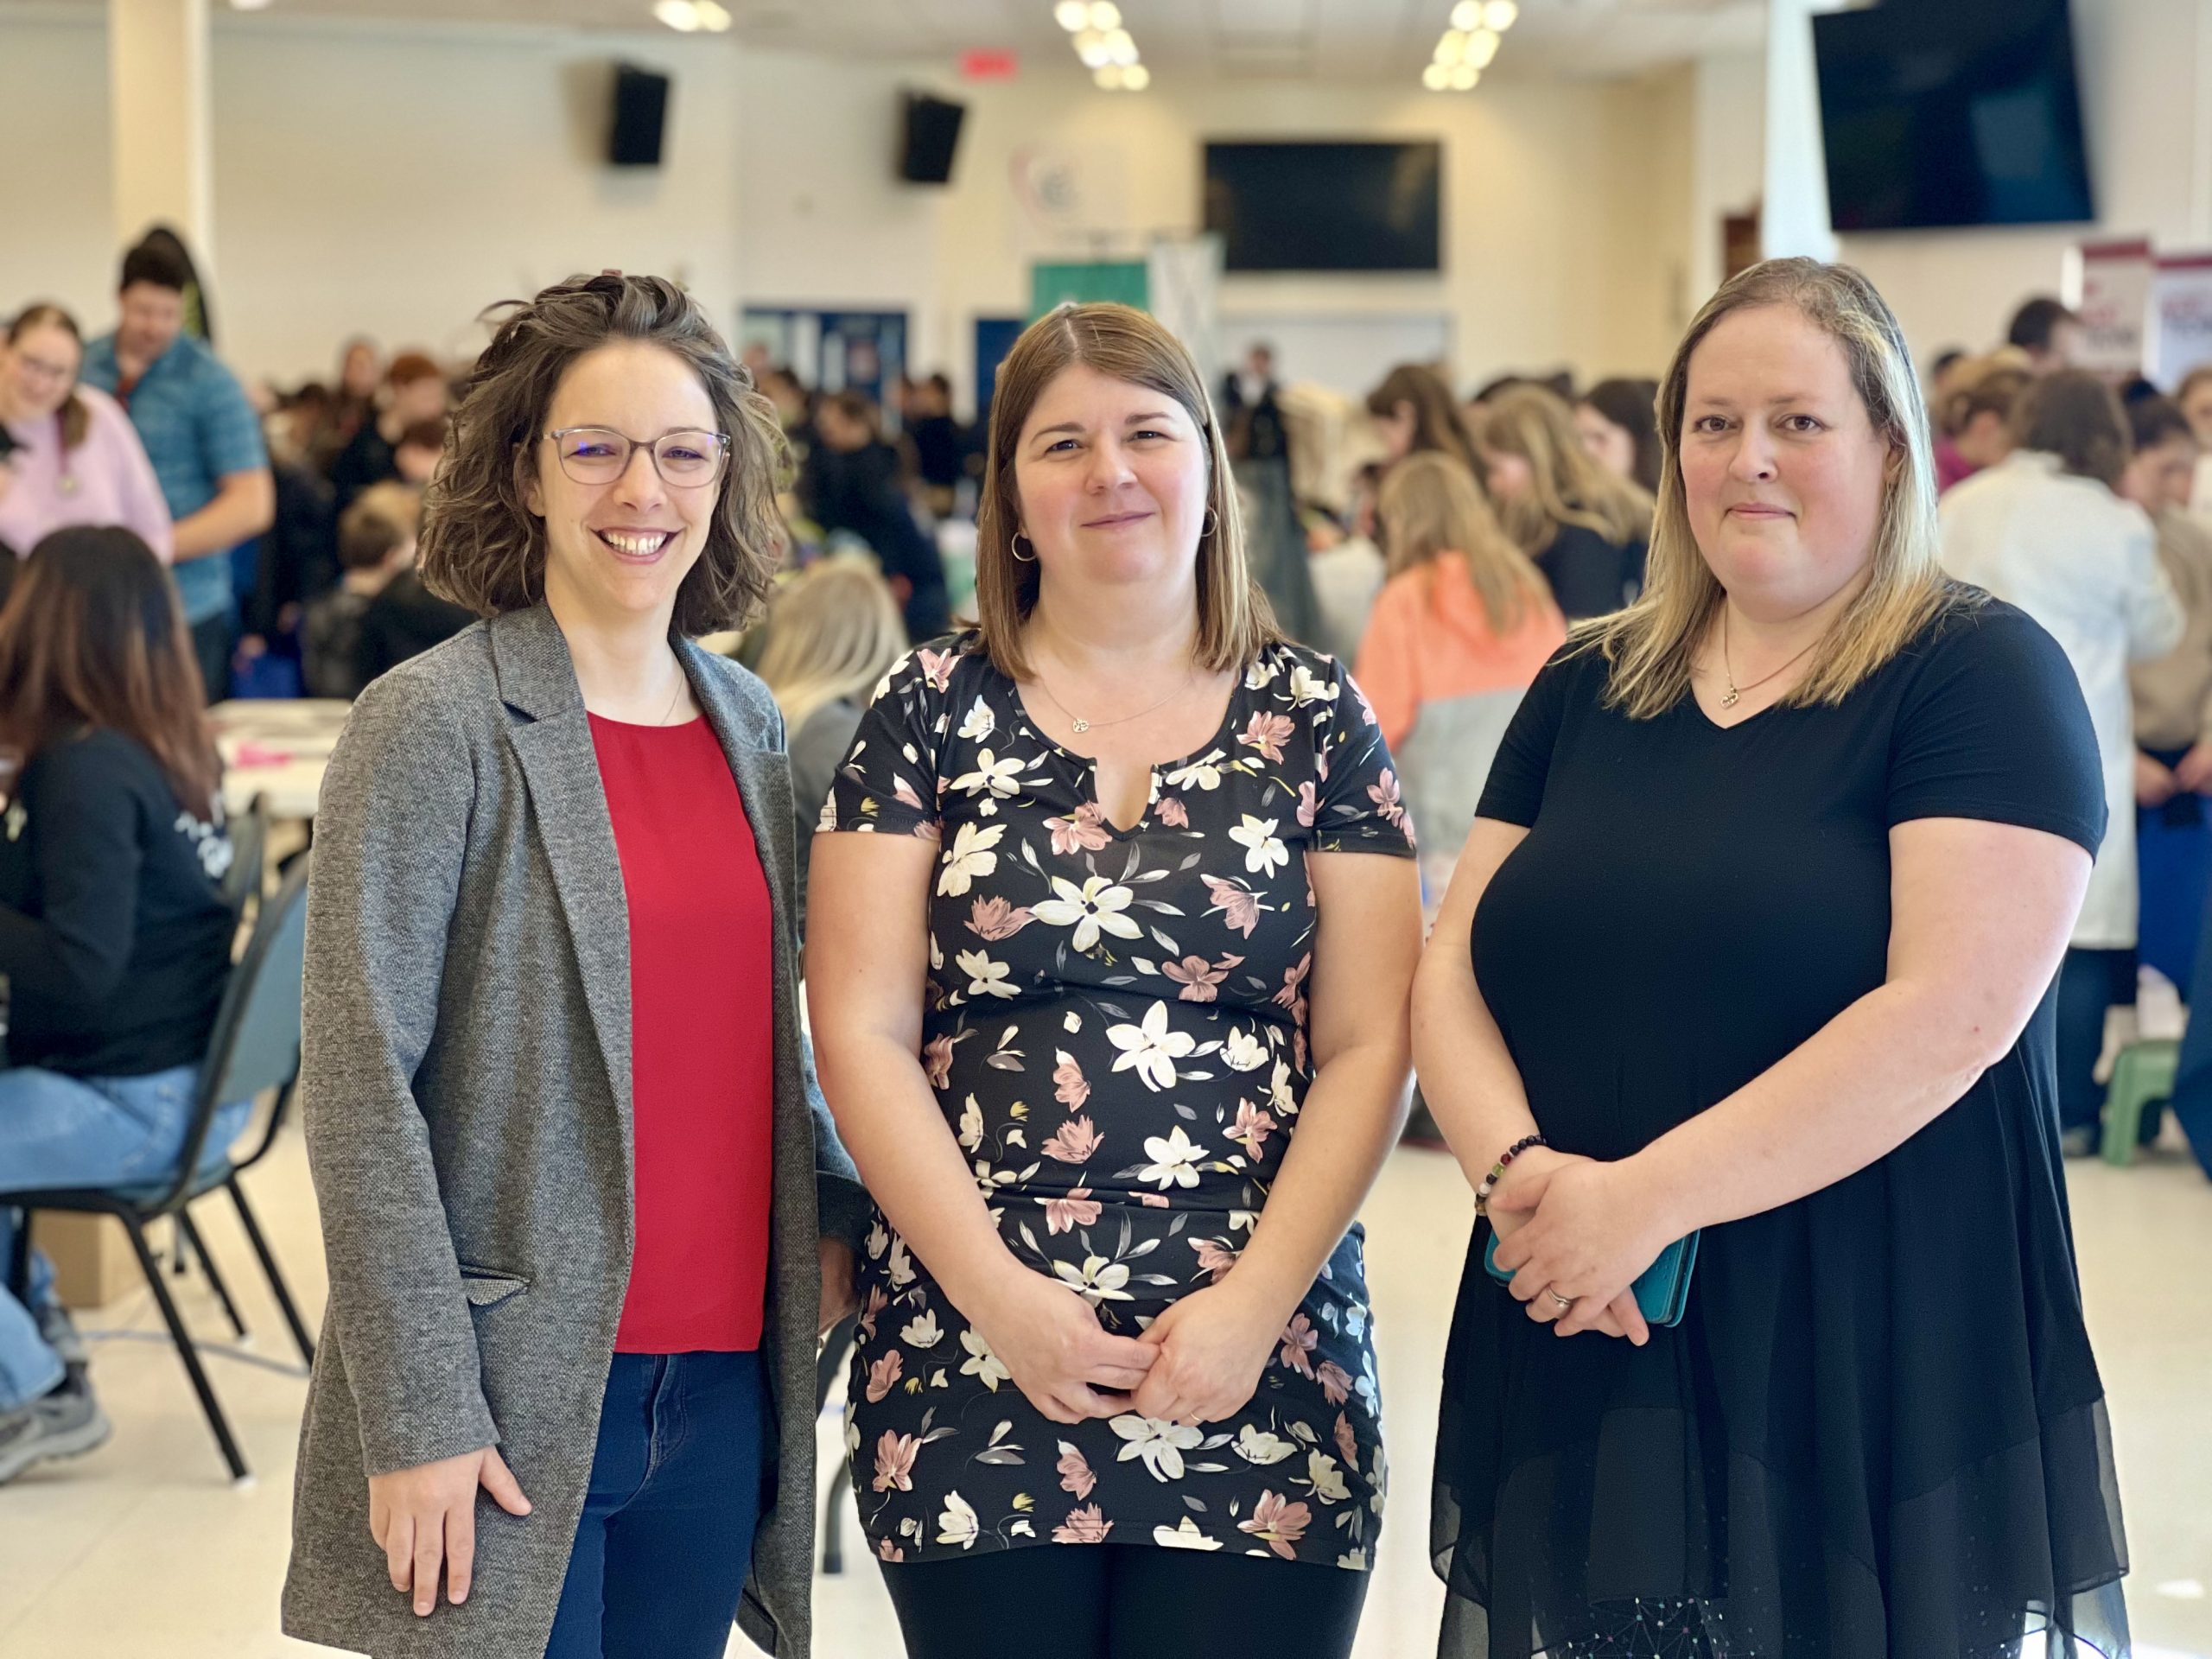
x=203 y=438
x=115 y=939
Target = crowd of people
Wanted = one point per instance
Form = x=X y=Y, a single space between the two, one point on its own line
x=1750 y=799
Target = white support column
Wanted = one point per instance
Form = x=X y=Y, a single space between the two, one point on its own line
x=1793 y=217
x=159 y=127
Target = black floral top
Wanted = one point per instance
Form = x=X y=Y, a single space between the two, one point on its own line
x=1117 y=1034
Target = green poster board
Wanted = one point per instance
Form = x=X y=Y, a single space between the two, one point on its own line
x=1105 y=279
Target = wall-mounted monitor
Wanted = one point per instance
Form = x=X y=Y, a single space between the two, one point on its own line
x=1327 y=206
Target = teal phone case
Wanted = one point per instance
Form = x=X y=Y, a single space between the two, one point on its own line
x=1662 y=1290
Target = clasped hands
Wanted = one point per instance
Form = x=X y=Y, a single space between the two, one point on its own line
x=1198 y=1363
x=1582 y=1229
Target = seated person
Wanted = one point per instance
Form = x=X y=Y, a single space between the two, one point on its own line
x=405 y=620
x=850 y=482
x=114 y=936
x=376 y=542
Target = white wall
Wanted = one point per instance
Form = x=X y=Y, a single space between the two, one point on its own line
x=55 y=185
x=2147 y=98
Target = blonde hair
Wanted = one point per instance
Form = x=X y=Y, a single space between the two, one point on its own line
x=1235 y=622
x=1653 y=645
x=1431 y=509
x=1568 y=484
x=833 y=632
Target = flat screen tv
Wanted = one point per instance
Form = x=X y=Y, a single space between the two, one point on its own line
x=1325 y=205
x=1940 y=113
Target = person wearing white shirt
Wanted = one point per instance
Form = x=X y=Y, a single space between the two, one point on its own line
x=2045 y=531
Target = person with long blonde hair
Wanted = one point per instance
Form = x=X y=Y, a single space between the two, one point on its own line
x=1738 y=1019
x=1461 y=626
x=834 y=632
x=1113 y=922
x=1586 y=526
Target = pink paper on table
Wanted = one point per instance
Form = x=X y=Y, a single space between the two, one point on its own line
x=256 y=754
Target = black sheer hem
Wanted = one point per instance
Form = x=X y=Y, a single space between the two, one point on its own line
x=1639 y=1542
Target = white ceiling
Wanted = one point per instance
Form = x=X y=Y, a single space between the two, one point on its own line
x=1316 y=40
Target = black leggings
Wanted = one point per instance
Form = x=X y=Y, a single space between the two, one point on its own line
x=1111 y=1601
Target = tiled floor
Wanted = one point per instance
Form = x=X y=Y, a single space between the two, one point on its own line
x=142 y=1551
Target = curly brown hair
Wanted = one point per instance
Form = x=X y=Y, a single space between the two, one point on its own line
x=481 y=545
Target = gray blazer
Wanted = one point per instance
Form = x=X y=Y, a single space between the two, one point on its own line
x=466 y=1089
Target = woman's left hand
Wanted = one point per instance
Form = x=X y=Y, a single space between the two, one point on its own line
x=1593 y=1229
x=839 y=1295
x=1213 y=1344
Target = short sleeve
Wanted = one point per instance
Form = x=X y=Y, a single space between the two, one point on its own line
x=1514 y=793
x=1358 y=807
x=1994 y=727
x=230 y=429
x=887 y=784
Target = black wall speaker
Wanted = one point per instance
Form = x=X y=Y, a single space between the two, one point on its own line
x=640 y=111
x=932 y=133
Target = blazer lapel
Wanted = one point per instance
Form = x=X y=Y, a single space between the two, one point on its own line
x=537 y=680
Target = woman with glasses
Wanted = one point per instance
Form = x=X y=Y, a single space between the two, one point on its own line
x=69 y=455
x=584 y=1215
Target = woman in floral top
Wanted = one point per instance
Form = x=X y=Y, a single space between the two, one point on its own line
x=1061 y=1005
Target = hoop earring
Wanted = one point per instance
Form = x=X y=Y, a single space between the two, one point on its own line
x=1212 y=529
x=1030 y=557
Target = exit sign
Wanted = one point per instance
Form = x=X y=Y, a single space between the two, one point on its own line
x=989 y=66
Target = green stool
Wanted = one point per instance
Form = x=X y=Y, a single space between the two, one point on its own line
x=2141 y=1076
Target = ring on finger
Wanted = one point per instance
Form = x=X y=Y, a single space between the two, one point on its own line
x=1564 y=1302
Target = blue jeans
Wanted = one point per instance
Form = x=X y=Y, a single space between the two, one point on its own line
x=677 y=1486
x=99 y=1132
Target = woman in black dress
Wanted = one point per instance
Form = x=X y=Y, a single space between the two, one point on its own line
x=1756 y=929
x=1585 y=525
x=1110 y=1004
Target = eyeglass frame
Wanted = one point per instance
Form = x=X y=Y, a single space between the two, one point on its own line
x=651 y=448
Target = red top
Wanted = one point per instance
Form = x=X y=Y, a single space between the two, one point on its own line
x=702 y=1038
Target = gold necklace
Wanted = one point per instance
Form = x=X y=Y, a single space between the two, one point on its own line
x=1729 y=673
x=1079 y=724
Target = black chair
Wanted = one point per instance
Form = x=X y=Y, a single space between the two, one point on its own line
x=255 y=1050
x=832 y=1360
x=242 y=882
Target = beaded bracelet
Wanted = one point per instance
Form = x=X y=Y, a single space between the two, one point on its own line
x=1498 y=1171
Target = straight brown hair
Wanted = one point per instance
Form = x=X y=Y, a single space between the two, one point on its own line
x=1437 y=424
x=76 y=417
x=2071 y=414
x=1431 y=509
x=1567 y=485
x=93 y=637
x=1235 y=621
x=483 y=547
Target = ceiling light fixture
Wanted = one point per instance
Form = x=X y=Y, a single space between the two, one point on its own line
x=1105 y=14
x=682 y=15
x=1135 y=77
x=1107 y=49
x=1500 y=15
x=713 y=17
x=1071 y=15
x=1467 y=47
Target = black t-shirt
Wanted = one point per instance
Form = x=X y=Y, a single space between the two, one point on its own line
x=405 y=620
x=1866 y=1378
x=1590 y=575
x=114 y=937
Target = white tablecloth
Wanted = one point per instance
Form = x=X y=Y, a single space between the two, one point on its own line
x=276 y=748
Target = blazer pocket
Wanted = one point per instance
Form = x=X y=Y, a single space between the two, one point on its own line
x=484 y=1288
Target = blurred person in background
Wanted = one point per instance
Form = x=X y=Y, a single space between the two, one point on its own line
x=415 y=458
x=203 y=438
x=1412 y=411
x=1462 y=626
x=1347 y=565
x=415 y=392
x=2045 y=531
x=2173 y=701
x=376 y=542
x=834 y=632
x=2047 y=332
x=1973 y=416
x=1617 y=427
x=1586 y=527
x=69 y=455
x=850 y=482
x=939 y=444
x=115 y=938
x=353 y=404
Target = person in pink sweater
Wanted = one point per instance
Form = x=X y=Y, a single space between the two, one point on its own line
x=71 y=455
x=1458 y=634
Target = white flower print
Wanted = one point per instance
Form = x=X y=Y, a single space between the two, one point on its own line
x=969 y=856
x=1202 y=773
x=901 y=1265
x=1327 y=1479
x=993 y=777
x=1353 y=1558
x=1096 y=906
x=958 y=1524
x=1256 y=1445
x=1185 y=1534
x=980 y=722
x=923 y=1332
x=1096 y=1280
x=1305 y=688
x=1172 y=1160
x=985 y=977
x=1265 y=854
x=1242 y=1051
x=971 y=1125
x=1160 y=1444
x=981 y=1364
x=1151 y=1048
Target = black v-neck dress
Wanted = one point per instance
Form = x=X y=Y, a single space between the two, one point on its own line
x=1878 y=1430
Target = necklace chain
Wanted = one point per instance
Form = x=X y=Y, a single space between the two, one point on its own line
x=1728 y=673
x=1078 y=724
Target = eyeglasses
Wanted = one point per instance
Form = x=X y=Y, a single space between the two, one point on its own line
x=599 y=454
